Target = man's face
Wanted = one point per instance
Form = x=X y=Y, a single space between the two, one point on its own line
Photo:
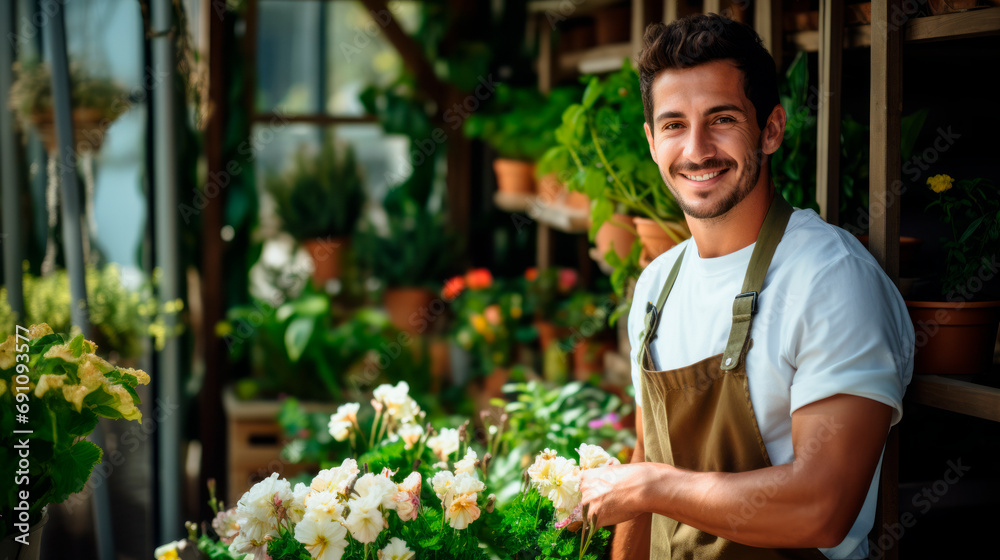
x=705 y=139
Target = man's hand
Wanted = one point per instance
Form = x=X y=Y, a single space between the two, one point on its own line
x=615 y=494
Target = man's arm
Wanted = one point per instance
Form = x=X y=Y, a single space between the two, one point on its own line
x=811 y=502
x=632 y=537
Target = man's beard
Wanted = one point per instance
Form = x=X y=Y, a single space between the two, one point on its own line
x=744 y=186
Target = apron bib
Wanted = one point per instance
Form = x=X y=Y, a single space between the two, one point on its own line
x=700 y=417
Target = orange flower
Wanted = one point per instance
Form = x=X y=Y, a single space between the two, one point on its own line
x=478 y=279
x=531 y=274
x=453 y=288
x=492 y=314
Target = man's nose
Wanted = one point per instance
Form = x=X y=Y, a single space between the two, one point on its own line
x=699 y=145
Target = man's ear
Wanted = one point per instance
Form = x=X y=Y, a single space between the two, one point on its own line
x=649 y=139
x=774 y=130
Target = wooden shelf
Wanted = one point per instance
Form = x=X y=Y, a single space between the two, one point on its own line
x=555 y=216
x=856 y=36
x=956 y=395
x=605 y=58
x=569 y=9
x=513 y=202
x=954 y=26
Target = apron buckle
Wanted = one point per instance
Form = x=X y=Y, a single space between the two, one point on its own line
x=753 y=301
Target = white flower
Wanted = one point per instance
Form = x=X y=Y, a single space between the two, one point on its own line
x=468 y=464
x=538 y=472
x=399 y=406
x=466 y=483
x=338 y=479
x=407 y=497
x=444 y=444
x=443 y=484
x=595 y=457
x=343 y=420
x=462 y=511
x=347 y=412
x=340 y=430
x=379 y=485
x=256 y=511
x=295 y=509
x=411 y=434
x=396 y=549
x=365 y=521
x=324 y=506
x=564 y=483
x=324 y=540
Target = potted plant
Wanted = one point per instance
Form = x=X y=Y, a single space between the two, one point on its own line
x=319 y=199
x=957 y=335
x=53 y=390
x=601 y=152
x=96 y=102
x=410 y=254
x=545 y=291
x=520 y=126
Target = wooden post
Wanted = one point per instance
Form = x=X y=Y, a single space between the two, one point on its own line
x=831 y=41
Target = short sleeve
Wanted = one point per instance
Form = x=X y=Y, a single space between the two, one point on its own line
x=853 y=336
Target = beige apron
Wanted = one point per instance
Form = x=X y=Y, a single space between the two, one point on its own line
x=700 y=417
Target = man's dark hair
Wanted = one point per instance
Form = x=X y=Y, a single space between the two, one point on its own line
x=698 y=39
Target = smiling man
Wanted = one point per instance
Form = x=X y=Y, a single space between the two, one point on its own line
x=770 y=352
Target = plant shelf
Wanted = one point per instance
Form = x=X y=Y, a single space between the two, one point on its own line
x=954 y=26
x=597 y=60
x=513 y=202
x=956 y=394
x=559 y=217
x=577 y=8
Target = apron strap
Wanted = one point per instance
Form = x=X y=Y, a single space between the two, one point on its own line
x=652 y=320
x=745 y=304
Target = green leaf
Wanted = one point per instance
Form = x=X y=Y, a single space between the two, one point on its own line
x=601 y=213
x=73 y=470
x=297 y=337
x=592 y=93
x=971 y=229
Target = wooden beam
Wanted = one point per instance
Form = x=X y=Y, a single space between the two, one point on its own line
x=955 y=395
x=831 y=30
x=767 y=22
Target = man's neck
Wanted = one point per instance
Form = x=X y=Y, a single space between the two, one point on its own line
x=737 y=228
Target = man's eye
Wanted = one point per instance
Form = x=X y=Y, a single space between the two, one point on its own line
x=672 y=126
x=725 y=120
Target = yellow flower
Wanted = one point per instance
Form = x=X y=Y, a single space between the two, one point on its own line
x=940 y=183
x=8 y=357
x=49 y=381
x=479 y=323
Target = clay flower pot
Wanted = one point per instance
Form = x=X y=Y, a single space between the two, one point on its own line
x=328 y=258
x=616 y=233
x=578 y=201
x=403 y=304
x=550 y=190
x=514 y=176
x=954 y=338
x=656 y=241
x=89 y=126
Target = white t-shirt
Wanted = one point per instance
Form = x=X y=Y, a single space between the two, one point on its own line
x=829 y=321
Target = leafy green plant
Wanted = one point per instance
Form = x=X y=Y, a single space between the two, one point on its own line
x=588 y=314
x=602 y=152
x=121 y=317
x=971 y=209
x=321 y=195
x=62 y=388
x=521 y=122
x=31 y=92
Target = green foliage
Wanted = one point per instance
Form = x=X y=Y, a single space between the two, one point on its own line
x=521 y=122
x=624 y=269
x=971 y=210
x=587 y=314
x=528 y=531
x=546 y=292
x=321 y=195
x=32 y=91
x=70 y=388
x=301 y=349
x=490 y=320
x=602 y=152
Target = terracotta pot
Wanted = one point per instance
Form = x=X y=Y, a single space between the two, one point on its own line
x=550 y=190
x=656 y=241
x=858 y=14
x=801 y=21
x=588 y=358
x=613 y=24
x=578 y=201
x=15 y=550
x=89 y=126
x=954 y=338
x=909 y=252
x=617 y=233
x=328 y=258
x=938 y=7
x=514 y=176
x=549 y=333
x=404 y=306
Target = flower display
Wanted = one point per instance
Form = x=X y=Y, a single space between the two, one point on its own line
x=558 y=478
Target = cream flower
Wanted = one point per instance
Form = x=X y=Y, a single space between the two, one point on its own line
x=411 y=434
x=323 y=540
x=339 y=429
x=337 y=479
x=466 y=483
x=379 y=486
x=564 y=483
x=407 y=497
x=48 y=381
x=348 y=412
x=8 y=356
x=365 y=521
x=595 y=457
x=468 y=464
x=396 y=549
x=257 y=517
x=324 y=506
x=462 y=511
x=225 y=525
x=296 y=507
x=444 y=444
x=443 y=484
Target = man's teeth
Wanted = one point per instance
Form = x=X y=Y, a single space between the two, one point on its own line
x=704 y=177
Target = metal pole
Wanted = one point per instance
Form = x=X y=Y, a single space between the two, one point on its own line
x=72 y=237
x=167 y=260
x=10 y=238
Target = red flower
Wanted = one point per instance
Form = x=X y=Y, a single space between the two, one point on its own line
x=531 y=274
x=478 y=279
x=453 y=288
x=567 y=279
